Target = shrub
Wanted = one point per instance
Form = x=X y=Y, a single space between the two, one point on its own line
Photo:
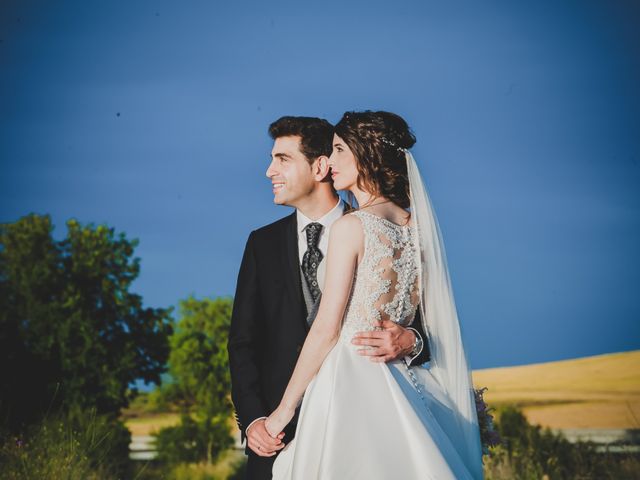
x=192 y=442
x=531 y=452
x=80 y=445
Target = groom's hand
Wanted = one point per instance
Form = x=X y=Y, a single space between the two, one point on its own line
x=261 y=442
x=391 y=343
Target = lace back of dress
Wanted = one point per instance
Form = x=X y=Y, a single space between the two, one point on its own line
x=386 y=286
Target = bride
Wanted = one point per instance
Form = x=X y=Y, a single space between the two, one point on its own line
x=385 y=260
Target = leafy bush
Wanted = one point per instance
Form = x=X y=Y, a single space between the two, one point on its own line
x=145 y=403
x=192 y=442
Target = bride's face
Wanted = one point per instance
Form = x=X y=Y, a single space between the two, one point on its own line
x=343 y=165
x=290 y=173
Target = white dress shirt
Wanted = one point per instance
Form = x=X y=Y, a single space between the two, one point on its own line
x=323 y=243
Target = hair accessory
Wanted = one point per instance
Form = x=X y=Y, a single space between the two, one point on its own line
x=391 y=144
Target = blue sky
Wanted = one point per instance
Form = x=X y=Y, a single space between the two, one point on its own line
x=152 y=117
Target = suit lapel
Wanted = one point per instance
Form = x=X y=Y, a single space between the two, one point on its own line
x=294 y=285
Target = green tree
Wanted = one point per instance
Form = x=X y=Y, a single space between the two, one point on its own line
x=199 y=367
x=72 y=335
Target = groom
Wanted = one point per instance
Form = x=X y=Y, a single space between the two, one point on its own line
x=279 y=287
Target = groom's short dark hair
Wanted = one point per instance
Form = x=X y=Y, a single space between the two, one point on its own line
x=316 y=134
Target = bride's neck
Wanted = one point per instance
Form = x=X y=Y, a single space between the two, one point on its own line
x=318 y=204
x=364 y=198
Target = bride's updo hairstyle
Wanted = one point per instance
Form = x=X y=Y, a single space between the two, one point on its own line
x=377 y=140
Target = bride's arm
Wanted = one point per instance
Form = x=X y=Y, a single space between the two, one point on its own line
x=345 y=243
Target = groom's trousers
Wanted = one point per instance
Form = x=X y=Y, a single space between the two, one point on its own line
x=259 y=468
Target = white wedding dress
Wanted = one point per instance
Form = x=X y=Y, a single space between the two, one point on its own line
x=366 y=420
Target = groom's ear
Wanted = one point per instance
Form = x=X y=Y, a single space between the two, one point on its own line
x=321 y=168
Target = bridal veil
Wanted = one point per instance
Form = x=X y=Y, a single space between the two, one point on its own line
x=440 y=320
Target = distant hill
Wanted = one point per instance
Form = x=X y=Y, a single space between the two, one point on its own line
x=602 y=391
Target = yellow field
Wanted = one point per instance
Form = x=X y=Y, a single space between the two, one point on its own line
x=602 y=391
x=151 y=424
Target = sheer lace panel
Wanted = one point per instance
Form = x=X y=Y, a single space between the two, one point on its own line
x=385 y=286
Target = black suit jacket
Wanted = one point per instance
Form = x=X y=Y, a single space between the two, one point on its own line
x=268 y=323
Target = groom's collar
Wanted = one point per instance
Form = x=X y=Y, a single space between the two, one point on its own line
x=326 y=220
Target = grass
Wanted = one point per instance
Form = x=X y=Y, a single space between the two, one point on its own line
x=601 y=391
x=66 y=447
x=227 y=467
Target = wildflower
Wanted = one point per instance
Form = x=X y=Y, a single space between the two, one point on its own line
x=489 y=437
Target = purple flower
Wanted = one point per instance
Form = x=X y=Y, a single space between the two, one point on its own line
x=489 y=437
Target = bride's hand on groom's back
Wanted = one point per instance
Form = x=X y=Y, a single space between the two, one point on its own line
x=259 y=440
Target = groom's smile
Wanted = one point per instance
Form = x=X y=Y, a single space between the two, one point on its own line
x=290 y=171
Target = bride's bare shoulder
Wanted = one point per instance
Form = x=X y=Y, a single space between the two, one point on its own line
x=347 y=231
x=349 y=223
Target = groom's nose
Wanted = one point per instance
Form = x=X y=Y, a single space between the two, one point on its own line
x=271 y=170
